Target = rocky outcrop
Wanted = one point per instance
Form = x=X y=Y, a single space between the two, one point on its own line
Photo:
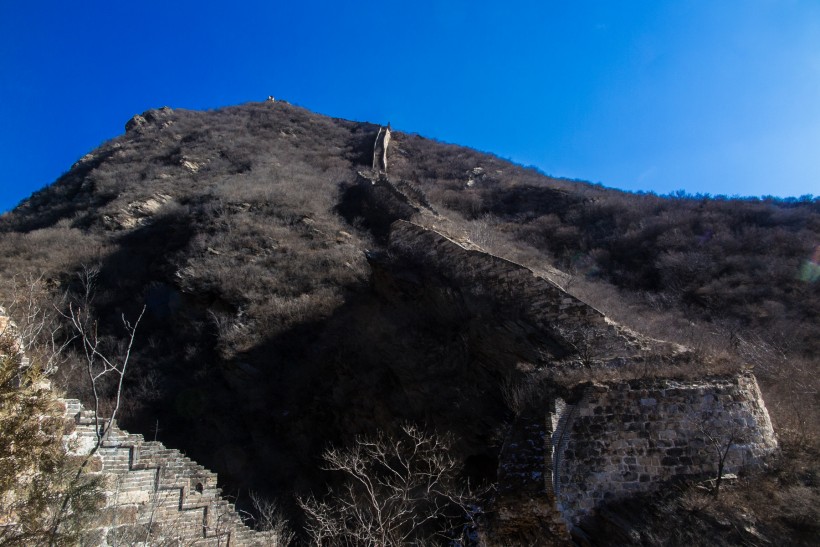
x=150 y=117
x=136 y=213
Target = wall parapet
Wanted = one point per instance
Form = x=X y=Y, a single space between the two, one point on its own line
x=154 y=494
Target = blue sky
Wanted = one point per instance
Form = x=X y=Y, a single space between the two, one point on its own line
x=720 y=97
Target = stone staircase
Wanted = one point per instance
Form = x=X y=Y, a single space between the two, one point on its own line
x=525 y=505
x=155 y=495
x=562 y=420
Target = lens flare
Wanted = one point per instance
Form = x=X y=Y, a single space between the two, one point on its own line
x=810 y=270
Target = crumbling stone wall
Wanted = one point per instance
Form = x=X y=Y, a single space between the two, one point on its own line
x=380 y=149
x=526 y=509
x=604 y=441
x=154 y=495
x=534 y=299
x=560 y=460
x=630 y=437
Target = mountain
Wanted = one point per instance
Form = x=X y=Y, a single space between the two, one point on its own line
x=303 y=286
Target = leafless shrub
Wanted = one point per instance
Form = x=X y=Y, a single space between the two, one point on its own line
x=398 y=490
x=483 y=231
x=720 y=438
x=269 y=518
x=36 y=323
x=521 y=393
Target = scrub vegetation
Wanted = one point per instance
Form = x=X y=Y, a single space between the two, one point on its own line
x=242 y=231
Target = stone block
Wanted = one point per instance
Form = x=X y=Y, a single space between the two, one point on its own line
x=133 y=497
x=667 y=435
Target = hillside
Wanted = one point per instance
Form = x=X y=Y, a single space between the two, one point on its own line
x=282 y=314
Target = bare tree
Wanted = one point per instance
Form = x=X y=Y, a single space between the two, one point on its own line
x=39 y=333
x=269 y=518
x=720 y=439
x=398 y=490
x=99 y=365
x=583 y=341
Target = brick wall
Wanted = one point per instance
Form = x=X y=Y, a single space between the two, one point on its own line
x=154 y=495
x=631 y=437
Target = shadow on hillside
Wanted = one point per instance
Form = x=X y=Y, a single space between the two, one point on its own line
x=142 y=255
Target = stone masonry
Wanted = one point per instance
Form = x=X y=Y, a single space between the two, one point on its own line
x=538 y=301
x=154 y=495
x=631 y=437
x=563 y=458
x=380 y=149
x=525 y=498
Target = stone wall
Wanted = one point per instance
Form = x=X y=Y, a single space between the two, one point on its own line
x=561 y=461
x=517 y=292
x=380 y=149
x=563 y=458
x=154 y=495
x=630 y=437
x=525 y=501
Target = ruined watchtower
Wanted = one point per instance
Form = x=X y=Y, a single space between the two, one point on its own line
x=380 y=149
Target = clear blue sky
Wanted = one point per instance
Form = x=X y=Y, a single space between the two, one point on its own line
x=717 y=96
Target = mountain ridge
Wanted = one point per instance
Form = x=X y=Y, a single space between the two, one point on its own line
x=243 y=230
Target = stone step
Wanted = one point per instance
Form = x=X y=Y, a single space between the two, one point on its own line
x=150 y=475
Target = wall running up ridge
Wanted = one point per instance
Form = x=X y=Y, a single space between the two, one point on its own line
x=609 y=440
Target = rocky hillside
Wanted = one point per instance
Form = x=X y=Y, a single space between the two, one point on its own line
x=280 y=320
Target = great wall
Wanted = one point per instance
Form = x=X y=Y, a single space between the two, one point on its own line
x=568 y=452
x=154 y=495
x=579 y=447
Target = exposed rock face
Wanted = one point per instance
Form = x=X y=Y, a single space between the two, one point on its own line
x=136 y=213
x=149 y=117
x=135 y=122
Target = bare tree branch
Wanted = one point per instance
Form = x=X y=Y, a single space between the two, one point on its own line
x=398 y=490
